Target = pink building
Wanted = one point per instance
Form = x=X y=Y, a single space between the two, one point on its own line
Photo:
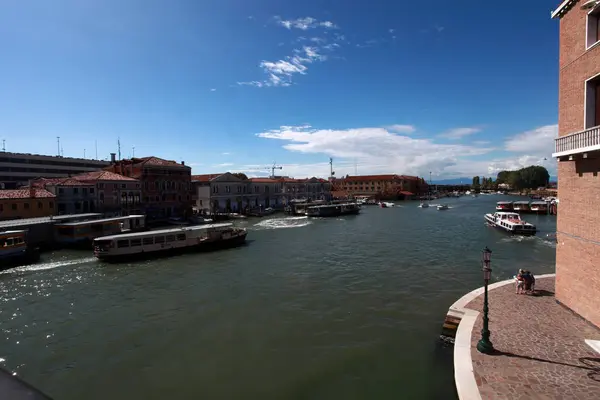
x=116 y=193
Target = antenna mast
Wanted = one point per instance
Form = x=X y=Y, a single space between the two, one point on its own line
x=331 y=171
x=3 y=145
x=58 y=144
x=119 y=147
x=96 y=145
x=83 y=153
x=133 y=151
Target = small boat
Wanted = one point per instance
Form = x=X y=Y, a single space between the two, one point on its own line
x=424 y=205
x=504 y=206
x=166 y=242
x=14 y=250
x=442 y=207
x=510 y=222
x=539 y=207
x=386 y=204
x=333 y=210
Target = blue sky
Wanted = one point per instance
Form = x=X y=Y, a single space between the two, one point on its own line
x=456 y=88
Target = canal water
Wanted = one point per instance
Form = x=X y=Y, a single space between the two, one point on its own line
x=310 y=309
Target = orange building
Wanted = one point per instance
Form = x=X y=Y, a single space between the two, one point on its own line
x=578 y=154
x=384 y=186
x=26 y=203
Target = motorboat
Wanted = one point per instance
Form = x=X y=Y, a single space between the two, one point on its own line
x=510 y=222
x=504 y=206
x=442 y=207
x=424 y=205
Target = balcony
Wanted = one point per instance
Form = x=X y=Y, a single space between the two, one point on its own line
x=577 y=144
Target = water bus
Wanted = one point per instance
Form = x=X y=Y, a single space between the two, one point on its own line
x=510 y=222
x=14 y=250
x=521 y=206
x=333 y=210
x=166 y=242
x=504 y=206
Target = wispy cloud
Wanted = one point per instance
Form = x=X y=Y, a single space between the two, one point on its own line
x=459 y=133
x=226 y=153
x=402 y=128
x=213 y=90
x=304 y=23
x=381 y=150
x=223 y=165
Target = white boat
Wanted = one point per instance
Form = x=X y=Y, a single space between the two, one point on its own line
x=424 y=205
x=510 y=222
x=539 y=207
x=386 y=204
x=504 y=206
x=442 y=207
x=118 y=248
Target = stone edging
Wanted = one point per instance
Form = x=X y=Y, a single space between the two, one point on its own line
x=466 y=386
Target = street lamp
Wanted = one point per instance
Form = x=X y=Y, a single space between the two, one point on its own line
x=484 y=345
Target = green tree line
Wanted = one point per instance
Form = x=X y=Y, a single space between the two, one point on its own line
x=530 y=177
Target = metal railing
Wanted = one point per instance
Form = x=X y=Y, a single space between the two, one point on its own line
x=578 y=142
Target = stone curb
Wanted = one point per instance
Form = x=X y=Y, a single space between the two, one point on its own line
x=464 y=378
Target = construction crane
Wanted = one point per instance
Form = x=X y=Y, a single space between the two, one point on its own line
x=272 y=168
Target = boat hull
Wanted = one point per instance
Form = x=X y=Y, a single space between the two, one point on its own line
x=221 y=244
x=27 y=257
x=518 y=232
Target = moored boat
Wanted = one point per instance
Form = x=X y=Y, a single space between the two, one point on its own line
x=333 y=210
x=539 y=207
x=521 y=206
x=14 y=250
x=504 y=206
x=510 y=222
x=442 y=207
x=165 y=242
x=424 y=205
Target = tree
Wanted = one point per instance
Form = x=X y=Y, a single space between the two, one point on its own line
x=475 y=185
x=530 y=177
x=240 y=175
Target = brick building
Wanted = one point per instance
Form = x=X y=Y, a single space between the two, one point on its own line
x=115 y=194
x=72 y=196
x=165 y=185
x=390 y=186
x=30 y=202
x=578 y=155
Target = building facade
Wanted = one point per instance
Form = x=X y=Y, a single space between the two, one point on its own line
x=17 y=169
x=30 y=202
x=229 y=193
x=165 y=185
x=389 y=186
x=71 y=196
x=578 y=154
x=116 y=194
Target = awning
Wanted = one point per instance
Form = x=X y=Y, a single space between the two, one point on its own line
x=406 y=193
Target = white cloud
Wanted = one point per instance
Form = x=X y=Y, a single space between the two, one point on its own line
x=213 y=90
x=304 y=23
x=459 y=133
x=226 y=154
x=401 y=128
x=223 y=165
x=385 y=150
x=538 y=141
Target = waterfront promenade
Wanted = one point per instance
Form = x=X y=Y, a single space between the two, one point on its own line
x=541 y=349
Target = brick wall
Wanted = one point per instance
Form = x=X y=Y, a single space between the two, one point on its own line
x=577 y=256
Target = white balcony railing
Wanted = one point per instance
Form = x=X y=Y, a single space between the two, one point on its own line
x=578 y=143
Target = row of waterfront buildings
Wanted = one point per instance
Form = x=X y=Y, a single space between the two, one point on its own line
x=38 y=186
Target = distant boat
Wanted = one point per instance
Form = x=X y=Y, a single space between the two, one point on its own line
x=424 y=205
x=442 y=207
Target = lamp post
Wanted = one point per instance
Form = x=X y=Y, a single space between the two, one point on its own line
x=484 y=345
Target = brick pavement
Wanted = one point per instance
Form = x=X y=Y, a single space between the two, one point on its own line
x=541 y=353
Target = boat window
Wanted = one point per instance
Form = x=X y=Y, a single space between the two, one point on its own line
x=65 y=230
x=136 y=242
x=170 y=238
x=181 y=236
x=148 y=241
x=159 y=239
x=123 y=243
x=97 y=228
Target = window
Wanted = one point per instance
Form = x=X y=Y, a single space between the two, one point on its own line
x=227 y=189
x=592 y=102
x=123 y=243
x=13 y=206
x=170 y=238
x=75 y=190
x=51 y=204
x=101 y=186
x=26 y=206
x=215 y=189
x=159 y=239
x=593 y=27
x=136 y=242
x=91 y=190
x=61 y=191
x=148 y=241
x=181 y=236
x=239 y=189
x=123 y=186
x=84 y=191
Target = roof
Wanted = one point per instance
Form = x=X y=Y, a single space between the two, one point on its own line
x=372 y=177
x=406 y=193
x=102 y=176
x=156 y=161
x=44 y=220
x=101 y=221
x=164 y=232
x=264 y=180
x=205 y=177
x=563 y=8
x=43 y=182
x=25 y=194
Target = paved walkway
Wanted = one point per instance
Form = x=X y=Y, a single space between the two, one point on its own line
x=541 y=349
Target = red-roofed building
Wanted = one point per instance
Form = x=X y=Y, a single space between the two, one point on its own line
x=578 y=154
x=72 y=195
x=116 y=194
x=165 y=184
x=30 y=202
x=388 y=186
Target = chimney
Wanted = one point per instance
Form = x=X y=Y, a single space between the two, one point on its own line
x=183 y=163
x=113 y=157
x=32 y=191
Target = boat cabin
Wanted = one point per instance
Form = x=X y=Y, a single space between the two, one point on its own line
x=521 y=206
x=504 y=205
x=86 y=231
x=11 y=240
x=540 y=207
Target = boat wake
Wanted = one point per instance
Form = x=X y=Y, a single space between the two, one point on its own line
x=48 y=265
x=529 y=239
x=281 y=223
